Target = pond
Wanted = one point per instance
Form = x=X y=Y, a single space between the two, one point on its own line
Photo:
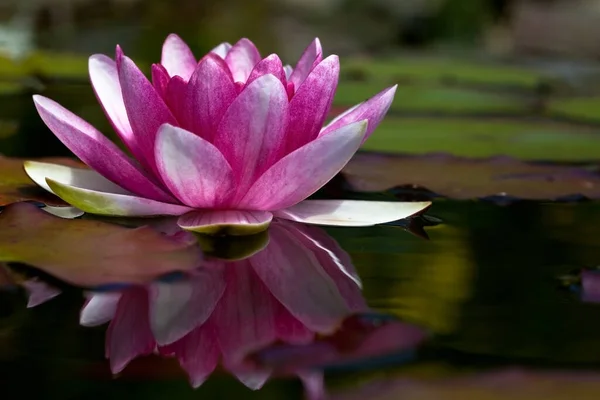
x=491 y=292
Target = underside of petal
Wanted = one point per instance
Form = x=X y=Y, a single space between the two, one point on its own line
x=350 y=212
x=104 y=203
x=226 y=222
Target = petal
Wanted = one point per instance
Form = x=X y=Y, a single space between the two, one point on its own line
x=311 y=103
x=114 y=204
x=222 y=50
x=128 y=335
x=160 y=79
x=177 y=58
x=251 y=133
x=241 y=59
x=269 y=65
x=39 y=292
x=209 y=93
x=304 y=171
x=192 y=168
x=96 y=150
x=350 y=212
x=63 y=212
x=290 y=329
x=105 y=81
x=372 y=110
x=253 y=380
x=99 y=309
x=176 y=308
x=146 y=109
x=175 y=98
x=288 y=71
x=245 y=314
x=226 y=222
x=314 y=385
x=311 y=56
x=295 y=277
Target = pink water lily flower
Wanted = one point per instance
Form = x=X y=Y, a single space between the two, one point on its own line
x=231 y=140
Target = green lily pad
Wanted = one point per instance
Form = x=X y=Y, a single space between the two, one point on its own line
x=435 y=99
x=88 y=252
x=16 y=186
x=582 y=108
x=461 y=178
x=486 y=137
x=432 y=69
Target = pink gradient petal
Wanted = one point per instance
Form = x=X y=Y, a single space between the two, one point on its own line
x=314 y=385
x=129 y=334
x=241 y=59
x=175 y=98
x=222 y=50
x=105 y=81
x=99 y=308
x=351 y=212
x=113 y=204
x=311 y=103
x=146 y=109
x=288 y=71
x=96 y=150
x=39 y=292
x=294 y=276
x=252 y=130
x=290 y=329
x=253 y=380
x=198 y=353
x=231 y=222
x=304 y=171
x=160 y=79
x=373 y=110
x=192 y=168
x=177 y=58
x=309 y=59
x=269 y=65
x=209 y=93
x=244 y=316
x=176 y=308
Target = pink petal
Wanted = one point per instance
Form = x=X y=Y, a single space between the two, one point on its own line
x=241 y=59
x=175 y=98
x=230 y=222
x=244 y=316
x=99 y=308
x=192 y=168
x=96 y=150
x=290 y=329
x=251 y=133
x=314 y=385
x=311 y=56
x=129 y=334
x=145 y=108
x=288 y=71
x=160 y=79
x=209 y=93
x=304 y=171
x=39 y=292
x=311 y=103
x=176 y=308
x=253 y=380
x=198 y=353
x=222 y=50
x=177 y=58
x=373 y=110
x=113 y=204
x=105 y=81
x=350 y=212
x=269 y=65
x=295 y=277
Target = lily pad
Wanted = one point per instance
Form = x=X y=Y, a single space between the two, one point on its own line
x=16 y=186
x=90 y=253
x=486 y=137
x=461 y=178
x=586 y=109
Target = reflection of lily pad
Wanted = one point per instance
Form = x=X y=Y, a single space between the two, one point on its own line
x=89 y=253
x=468 y=137
x=464 y=179
x=16 y=186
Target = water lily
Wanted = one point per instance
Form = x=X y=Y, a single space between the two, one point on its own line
x=227 y=142
x=300 y=285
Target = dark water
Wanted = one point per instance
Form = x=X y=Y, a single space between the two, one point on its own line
x=494 y=288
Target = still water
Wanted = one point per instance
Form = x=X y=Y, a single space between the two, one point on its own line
x=489 y=306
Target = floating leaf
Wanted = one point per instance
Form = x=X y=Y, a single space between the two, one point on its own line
x=461 y=178
x=486 y=137
x=89 y=253
x=16 y=186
